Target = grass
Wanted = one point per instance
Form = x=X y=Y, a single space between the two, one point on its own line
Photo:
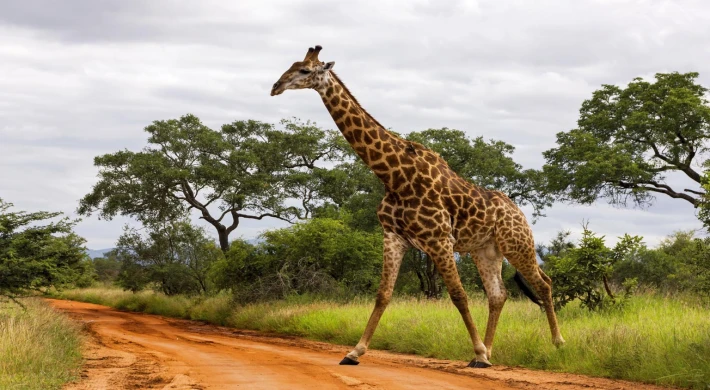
x=654 y=339
x=39 y=347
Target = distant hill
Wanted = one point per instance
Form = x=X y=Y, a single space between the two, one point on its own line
x=94 y=253
x=254 y=241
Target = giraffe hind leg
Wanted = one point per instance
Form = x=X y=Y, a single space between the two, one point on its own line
x=530 y=270
x=518 y=247
x=489 y=262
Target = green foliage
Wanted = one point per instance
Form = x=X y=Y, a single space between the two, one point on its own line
x=36 y=254
x=582 y=272
x=318 y=256
x=309 y=255
x=176 y=257
x=678 y=265
x=694 y=254
x=230 y=271
x=107 y=268
x=247 y=170
x=628 y=139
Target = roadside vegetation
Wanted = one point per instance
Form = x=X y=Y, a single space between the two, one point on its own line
x=39 y=347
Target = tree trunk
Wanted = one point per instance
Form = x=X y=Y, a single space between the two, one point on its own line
x=427 y=274
x=606 y=286
x=434 y=290
x=223 y=240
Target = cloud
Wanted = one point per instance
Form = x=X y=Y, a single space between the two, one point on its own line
x=84 y=78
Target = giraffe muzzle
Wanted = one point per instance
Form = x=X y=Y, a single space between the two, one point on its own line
x=276 y=89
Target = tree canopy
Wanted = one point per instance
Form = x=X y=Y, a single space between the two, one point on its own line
x=247 y=170
x=176 y=256
x=36 y=252
x=629 y=139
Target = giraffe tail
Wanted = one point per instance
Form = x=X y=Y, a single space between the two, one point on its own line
x=523 y=285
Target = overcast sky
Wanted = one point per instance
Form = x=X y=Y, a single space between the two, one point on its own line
x=83 y=78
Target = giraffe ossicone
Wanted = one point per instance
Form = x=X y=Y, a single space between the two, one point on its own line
x=429 y=207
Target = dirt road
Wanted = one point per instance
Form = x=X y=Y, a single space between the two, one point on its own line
x=141 y=351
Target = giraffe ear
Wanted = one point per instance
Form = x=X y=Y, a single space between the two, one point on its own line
x=329 y=65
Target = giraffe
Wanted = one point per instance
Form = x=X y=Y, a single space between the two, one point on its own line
x=429 y=207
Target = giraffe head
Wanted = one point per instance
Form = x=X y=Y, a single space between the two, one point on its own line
x=309 y=73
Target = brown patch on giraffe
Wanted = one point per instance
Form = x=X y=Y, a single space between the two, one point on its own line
x=337 y=114
x=367 y=138
x=392 y=160
x=380 y=167
x=409 y=171
x=375 y=155
x=405 y=159
x=397 y=180
x=406 y=191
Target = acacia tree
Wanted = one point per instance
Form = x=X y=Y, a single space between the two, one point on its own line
x=629 y=139
x=247 y=170
x=38 y=251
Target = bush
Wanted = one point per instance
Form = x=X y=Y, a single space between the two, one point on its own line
x=320 y=256
x=582 y=272
x=34 y=256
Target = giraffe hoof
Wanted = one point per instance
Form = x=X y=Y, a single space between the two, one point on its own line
x=476 y=364
x=349 y=362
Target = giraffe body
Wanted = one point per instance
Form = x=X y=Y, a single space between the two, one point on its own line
x=429 y=207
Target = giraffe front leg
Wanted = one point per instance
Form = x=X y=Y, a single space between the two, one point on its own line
x=443 y=257
x=394 y=249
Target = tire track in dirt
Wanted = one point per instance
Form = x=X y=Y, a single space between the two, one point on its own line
x=139 y=351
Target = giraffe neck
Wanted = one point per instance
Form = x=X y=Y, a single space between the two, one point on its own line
x=370 y=140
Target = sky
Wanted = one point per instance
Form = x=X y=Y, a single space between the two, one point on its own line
x=81 y=78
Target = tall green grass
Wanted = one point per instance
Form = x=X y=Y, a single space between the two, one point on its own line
x=39 y=347
x=653 y=339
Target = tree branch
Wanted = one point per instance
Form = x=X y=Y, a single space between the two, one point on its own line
x=235 y=221
x=681 y=166
x=272 y=215
x=694 y=192
x=190 y=195
x=660 y=188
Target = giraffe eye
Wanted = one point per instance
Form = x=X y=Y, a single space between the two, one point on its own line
x=304 y=71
